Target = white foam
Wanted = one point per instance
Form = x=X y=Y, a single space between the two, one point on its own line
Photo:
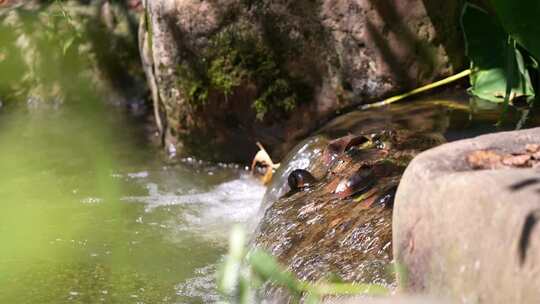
x=209 y=213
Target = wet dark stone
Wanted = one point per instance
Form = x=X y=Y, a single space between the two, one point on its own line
x=340 y=145
x=360 y=181
x=386 y=199
x=300 y=179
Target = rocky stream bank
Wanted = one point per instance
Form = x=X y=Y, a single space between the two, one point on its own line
x=339 y=217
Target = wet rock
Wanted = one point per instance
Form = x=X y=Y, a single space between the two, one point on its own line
x=228 y=73
x=359 y=181
x=303 y=156
x=318 y=231
x=470 y=235
x=340 y=145
x=429 y=120
x=316 y=238
x=300 y=179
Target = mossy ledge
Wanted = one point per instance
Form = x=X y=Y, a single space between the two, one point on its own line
x=236 y=56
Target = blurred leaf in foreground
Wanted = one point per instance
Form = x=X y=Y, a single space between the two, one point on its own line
x=243 y=276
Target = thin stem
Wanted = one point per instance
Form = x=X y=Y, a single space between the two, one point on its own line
x=419 y=90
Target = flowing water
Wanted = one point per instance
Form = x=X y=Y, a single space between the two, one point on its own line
x=90 y=213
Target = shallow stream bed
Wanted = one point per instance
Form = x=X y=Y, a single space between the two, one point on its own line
x=90 y=213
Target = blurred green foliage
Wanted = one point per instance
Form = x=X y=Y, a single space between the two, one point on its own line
x=53 y=49
x=520 y=20
x=244 y=276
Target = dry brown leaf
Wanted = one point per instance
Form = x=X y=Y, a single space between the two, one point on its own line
x=487 y=159
x=516 y=160
x=484 y=159
x=263 y=159
x=532 y=148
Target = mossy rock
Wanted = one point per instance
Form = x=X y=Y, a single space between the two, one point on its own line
x=241 y=71
x=237 y=56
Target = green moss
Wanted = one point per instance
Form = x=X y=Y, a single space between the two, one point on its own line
x=279 y=93
x=236 y=57
x=194 y=85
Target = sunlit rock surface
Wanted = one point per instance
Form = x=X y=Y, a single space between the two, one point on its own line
x=232 y=72
x=318 y=233
x=470 y=235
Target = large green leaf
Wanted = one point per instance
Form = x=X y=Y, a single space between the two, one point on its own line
x=496 y=63
x=520 y=19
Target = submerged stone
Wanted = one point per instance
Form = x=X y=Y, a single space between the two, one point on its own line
x=360 y=181
x=300 y=179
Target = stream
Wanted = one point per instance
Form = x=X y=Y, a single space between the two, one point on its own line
x=91 y=213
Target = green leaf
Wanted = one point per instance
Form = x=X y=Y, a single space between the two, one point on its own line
x=229 y=276
x=520 y=19
x=496 y=63
x=268 y=268
x=351 y=288
x=67 y=44
x=312 y=298
x=245 y=295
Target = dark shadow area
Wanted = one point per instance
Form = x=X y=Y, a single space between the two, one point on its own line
x=448 y=28
x=386 y=9
x=530 y=222
x=524 y=184
x=399 y=69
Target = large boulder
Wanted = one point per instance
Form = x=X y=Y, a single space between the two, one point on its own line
x=472 y=235
x=228 y=73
